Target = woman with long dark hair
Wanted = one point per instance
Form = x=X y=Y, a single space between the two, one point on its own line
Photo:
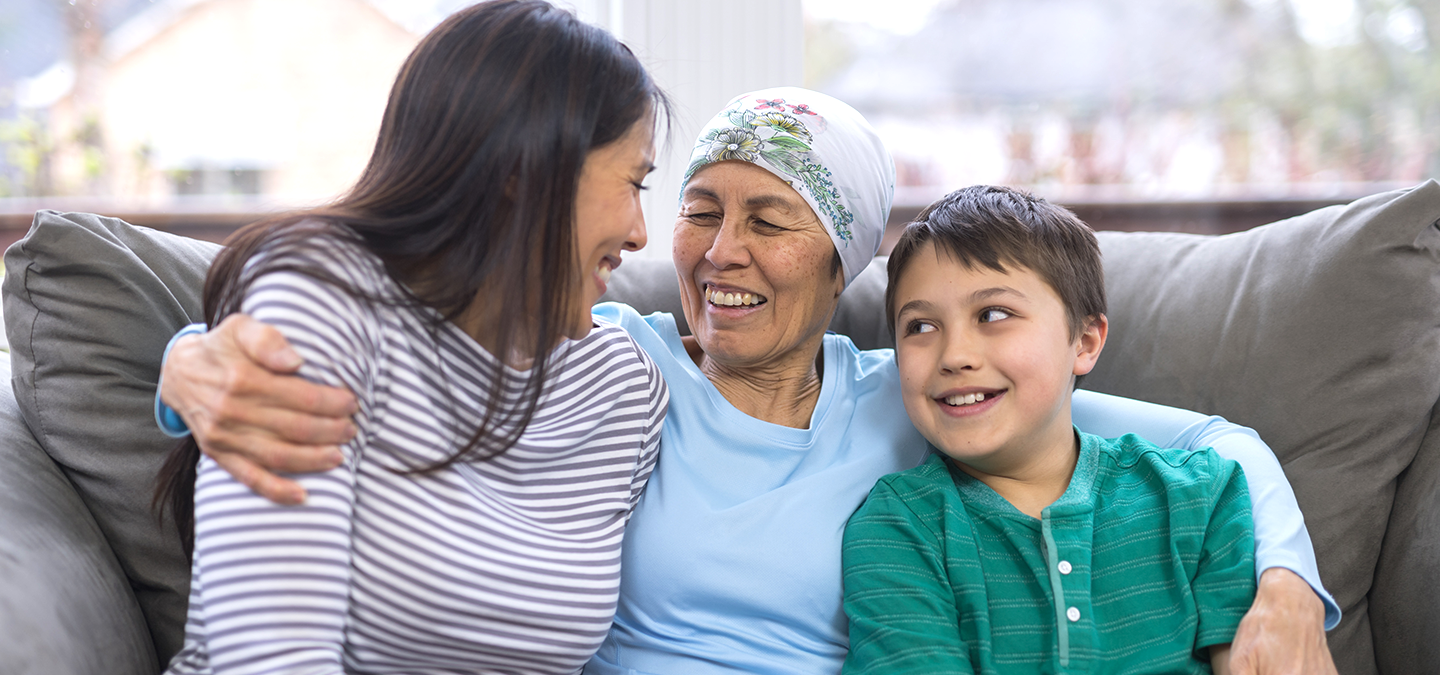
x=502 y=436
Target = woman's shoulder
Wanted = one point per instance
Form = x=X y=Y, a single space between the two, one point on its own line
x=606 y=336
x=607 y=346
x=657 y=333
x=862 y=369
x=323 y=246
x=315 y=278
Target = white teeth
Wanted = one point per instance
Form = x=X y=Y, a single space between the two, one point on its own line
x=603 y=271
x=733 y=299
x=964 y=399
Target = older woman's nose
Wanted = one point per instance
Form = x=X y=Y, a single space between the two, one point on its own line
x=729 y=248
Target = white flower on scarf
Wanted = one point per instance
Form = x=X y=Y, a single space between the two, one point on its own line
x=785 y=123
x=733 y=144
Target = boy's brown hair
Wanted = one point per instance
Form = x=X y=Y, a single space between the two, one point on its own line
x=993 y=227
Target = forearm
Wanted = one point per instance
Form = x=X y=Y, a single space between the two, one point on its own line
x=1281 y=540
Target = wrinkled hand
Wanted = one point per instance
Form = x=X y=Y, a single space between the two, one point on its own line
x=1284 y=631
x=234 y=387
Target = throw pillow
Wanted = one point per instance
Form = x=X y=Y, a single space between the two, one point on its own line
x=90 y=303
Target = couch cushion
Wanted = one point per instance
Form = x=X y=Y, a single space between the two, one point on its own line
x=89 y=304
x=64 y=605
x=1322 y=332
x=1403 y=612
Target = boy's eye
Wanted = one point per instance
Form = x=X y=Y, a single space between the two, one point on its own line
x=918 y=327
x=993 y=314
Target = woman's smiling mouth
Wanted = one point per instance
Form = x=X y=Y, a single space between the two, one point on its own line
x=604 y=269
x=732 y=299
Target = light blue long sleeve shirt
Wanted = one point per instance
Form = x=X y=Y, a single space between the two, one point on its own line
x=731 y=561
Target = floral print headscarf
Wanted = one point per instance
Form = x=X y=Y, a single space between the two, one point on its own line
x=820 y=146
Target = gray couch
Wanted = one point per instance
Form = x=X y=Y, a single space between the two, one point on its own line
x=1322 y=332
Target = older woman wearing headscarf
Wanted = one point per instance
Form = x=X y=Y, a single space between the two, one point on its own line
x=777 y=430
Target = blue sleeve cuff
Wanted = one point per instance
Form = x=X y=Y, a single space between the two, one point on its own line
x=165 y=417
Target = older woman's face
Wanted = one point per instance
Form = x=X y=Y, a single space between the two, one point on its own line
x=754 y=263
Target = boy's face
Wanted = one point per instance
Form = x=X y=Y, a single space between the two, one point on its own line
x=986 y=361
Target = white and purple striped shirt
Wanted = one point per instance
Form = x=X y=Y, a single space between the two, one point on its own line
x=509 y=564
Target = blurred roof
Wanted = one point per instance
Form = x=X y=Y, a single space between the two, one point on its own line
x=1080 y=52
x=138 y=21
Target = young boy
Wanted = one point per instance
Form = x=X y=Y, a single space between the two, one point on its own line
x=1023 y=545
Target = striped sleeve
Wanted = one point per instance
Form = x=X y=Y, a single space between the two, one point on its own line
x=898 y=596
x=1224 y=584
x=658 y=404
x=274 y=579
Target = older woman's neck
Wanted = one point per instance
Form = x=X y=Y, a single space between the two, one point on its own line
x=782 y=391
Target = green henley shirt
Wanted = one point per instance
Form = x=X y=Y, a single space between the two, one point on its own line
x=1145 y=561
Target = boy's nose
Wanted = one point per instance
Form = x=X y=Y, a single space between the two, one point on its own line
x=960 y=353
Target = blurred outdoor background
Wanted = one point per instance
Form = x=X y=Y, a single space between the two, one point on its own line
x=1198 y=115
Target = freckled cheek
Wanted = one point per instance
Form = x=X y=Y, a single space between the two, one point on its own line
x=688 y=248
x=797 y=269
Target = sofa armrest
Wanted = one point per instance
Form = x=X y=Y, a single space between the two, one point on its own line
x=65 y=605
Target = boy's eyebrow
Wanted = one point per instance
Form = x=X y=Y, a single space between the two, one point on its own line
x=987 y=293
x=914 y=305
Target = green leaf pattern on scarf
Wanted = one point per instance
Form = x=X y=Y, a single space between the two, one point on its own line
x=783 y=142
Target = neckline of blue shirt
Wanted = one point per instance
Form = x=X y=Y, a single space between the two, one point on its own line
x=799 y=439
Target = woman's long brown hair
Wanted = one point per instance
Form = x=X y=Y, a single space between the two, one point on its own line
x=471 y=185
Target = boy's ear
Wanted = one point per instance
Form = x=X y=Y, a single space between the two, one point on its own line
x=1090 y=343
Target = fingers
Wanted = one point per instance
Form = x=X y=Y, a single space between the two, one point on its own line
x=333 y=404
x=261 y=344
x=285 y=407
x=234 y=389
x=269 y=453
x=264 y=483
x=1283 y=633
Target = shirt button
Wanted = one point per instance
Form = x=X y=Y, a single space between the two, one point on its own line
x=1072 y=614
x=1064 y=566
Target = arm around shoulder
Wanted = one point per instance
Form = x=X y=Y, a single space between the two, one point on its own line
x=1281 y=540
x=234 y=388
